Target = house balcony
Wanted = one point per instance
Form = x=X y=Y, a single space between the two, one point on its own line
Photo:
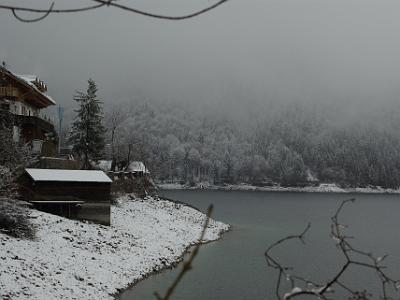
x=9 y=91
x=34 y=122
x=37 y=132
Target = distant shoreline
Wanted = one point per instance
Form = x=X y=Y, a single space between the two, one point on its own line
x=321 y=188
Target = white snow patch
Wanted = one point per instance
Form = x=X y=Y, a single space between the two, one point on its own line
x=294 y=291
x=27 y=77
x=321 y=188
x=311 y=177
x=75 y=260
x=171 y=186
x=326 y=188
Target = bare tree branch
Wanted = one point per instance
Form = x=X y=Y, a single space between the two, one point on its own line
x=15 y=9
x=35 y=19
x=353 y=257
x=53 y=11
x=158 y=16
x=187 y=266
x=282 y=270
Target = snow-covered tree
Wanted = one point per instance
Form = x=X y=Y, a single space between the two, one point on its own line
x=114 y=119
x=87 y=134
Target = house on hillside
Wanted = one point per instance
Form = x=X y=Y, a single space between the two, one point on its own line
x=134 y=179
x=76 y=194
x=135 y=169
x=22 y=97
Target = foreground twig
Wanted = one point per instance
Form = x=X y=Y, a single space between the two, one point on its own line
x=187 y=266
x=158 y=16
x=46 y=12
x=353 y=257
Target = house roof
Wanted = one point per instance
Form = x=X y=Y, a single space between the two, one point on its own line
x=68 y=175
x=104 y=165
x=137 y=166
x=28 y=77
x=28 y=82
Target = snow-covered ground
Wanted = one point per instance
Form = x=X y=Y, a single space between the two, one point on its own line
x=321 y=188
x=75 y=260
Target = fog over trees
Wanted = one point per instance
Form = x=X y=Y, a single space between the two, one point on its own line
x=289 y=144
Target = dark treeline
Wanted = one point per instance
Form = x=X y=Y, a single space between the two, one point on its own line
x=289 y=144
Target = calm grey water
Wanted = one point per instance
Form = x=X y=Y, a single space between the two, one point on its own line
x=234 y=267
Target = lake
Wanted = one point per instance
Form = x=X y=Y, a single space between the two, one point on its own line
x=235 y=268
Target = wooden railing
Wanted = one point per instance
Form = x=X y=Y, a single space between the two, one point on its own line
x=8 y=91
x=34 y=121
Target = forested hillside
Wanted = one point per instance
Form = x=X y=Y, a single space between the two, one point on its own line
x=288 y=144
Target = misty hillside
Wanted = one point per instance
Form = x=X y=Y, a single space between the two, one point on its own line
x=289 y=144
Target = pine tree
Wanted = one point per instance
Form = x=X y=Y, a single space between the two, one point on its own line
x=87 y=135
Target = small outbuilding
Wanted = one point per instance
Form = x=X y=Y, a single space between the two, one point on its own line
x=138 y=168
x=76 y=194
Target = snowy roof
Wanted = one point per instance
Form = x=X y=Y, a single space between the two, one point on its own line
x=104 y=165
x=68 y=175
x=28 y=77
x=28 y=80
x=137 y=166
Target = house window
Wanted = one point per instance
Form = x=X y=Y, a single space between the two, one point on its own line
x=3 y=82
x=5 y=106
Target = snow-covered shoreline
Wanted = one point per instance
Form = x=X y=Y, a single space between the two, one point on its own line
x=74 y=260
x=322 y=188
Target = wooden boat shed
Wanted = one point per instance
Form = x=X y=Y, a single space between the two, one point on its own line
x=76 y=194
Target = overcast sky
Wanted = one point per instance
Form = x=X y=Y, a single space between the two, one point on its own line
x=246 y=51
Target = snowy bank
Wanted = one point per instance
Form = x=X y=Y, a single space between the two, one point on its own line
x=74 y=260
x=321 y=188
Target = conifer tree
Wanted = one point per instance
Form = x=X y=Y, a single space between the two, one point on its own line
x=87 y=134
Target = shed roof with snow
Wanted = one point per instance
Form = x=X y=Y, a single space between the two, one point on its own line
x=104 y=165
x=68 y=175
x=137 y=166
